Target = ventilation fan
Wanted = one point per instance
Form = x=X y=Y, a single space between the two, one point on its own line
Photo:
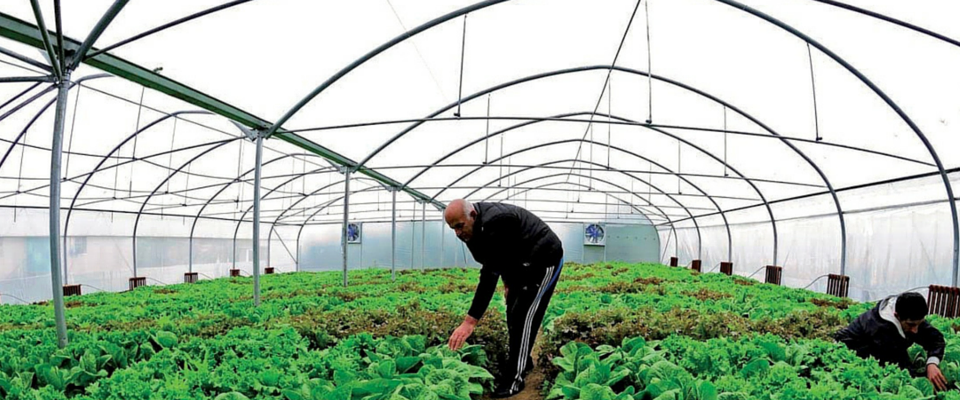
x=594 y=235
x=353 y=233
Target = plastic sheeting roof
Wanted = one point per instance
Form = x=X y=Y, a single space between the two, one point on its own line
x=653 y=111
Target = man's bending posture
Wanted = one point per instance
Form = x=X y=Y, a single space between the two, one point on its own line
x=510 y=243
x=889 y=329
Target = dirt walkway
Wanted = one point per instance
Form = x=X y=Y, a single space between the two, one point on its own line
x=534 y=381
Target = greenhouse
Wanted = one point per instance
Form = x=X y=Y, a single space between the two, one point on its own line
x=254 y=199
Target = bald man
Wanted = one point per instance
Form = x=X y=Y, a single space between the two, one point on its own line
x=513 y=244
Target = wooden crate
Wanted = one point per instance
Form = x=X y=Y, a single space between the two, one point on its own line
x=137 y=281
x=838 y=285
x=774 y=273
x=944 y=301
x=71 y=290
x=726 y=268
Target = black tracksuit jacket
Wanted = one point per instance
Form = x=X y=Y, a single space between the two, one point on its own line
x=512 y=243
x=873 y=333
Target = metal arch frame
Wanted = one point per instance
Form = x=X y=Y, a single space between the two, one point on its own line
x=31 y=35
x=681 y=85
x=294 y=204
x=769 y=19
x=889 y=19
x=886 y=99
x=136 y=223
x=662 y=213
x=730 y=251
x=42 y=110
x=699 y=241
x=324 y=206
x=240 y=221
x=510 y=197
x=373 y=53
x=717 y=206
x=226 y=186
x=96 y=169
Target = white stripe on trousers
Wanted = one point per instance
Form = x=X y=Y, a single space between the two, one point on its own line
x=527 y=328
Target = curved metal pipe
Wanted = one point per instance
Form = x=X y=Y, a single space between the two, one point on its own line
x=366 y=57
x=527 y=123
x=136 y=222
x=73 y=202
x=659 y=79
x=886 y=99
x=193 y=226
x=729 y=236
x=236 y=231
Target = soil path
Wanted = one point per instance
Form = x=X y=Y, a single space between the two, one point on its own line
x=534 y=381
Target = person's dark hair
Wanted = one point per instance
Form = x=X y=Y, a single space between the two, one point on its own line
x=911 y=306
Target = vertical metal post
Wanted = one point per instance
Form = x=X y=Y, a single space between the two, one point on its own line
x=442 y=239
x=55 y=179
x=423 y=234
x=234 y=251
x=297 y=261
x=256 y=220
x=269 y=238
x=66 y=278
x=190 y=255
x=134 y=258
x=346 y=215
x=393 y=238
x=413 y=234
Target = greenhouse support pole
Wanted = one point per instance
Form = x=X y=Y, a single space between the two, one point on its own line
x=423 y=235
x=269 y=238
x=442 y=240
x=393 y=237
x=256 y=220
x=190 y=255
x=296 y=264
x=55 y=179
x=346 y=215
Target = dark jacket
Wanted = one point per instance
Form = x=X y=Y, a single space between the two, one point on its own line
x=878 y=333
x=512 y=243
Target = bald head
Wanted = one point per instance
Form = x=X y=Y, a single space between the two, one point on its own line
x=460 y=216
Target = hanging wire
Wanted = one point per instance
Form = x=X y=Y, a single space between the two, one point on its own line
x=815 y=281
x=679 y=164
x=157 y=281
x=93 y=287
x=646 y=12
x=239 y=197
x=500 y=181
x=590 y=184
x=650 y=183
x=609 y=116
x=725 y=134
x=173 y=137
x=420 y=55
x=73 y=124
x=463 y=52
x=14 y=297
x=813 y=84
x=143 y=91
x=486 y=140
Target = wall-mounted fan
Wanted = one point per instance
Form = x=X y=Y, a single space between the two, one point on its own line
x=353 y=233
x=594 y=235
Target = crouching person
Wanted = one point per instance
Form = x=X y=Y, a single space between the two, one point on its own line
x=889 y=329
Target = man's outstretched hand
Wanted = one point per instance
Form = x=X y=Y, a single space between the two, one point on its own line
x=462 y=332
x=936 y=377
